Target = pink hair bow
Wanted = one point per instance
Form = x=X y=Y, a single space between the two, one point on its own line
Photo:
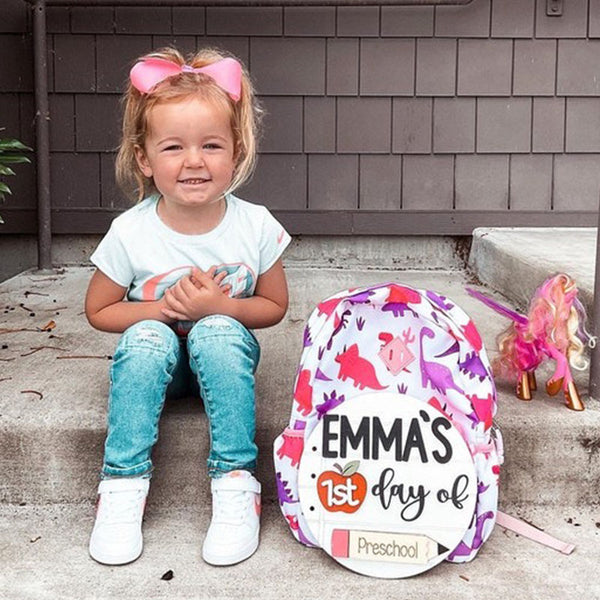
x=227 y=73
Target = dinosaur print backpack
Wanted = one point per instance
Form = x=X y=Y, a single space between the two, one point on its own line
x=396 y=338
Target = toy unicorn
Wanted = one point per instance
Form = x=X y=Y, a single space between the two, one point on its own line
x=553 y=328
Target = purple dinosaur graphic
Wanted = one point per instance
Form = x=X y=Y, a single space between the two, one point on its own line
x=339 y=326
x=473 y=367
x=329 y=403
x=283 y=493
x=307 y=340
x=462 y=549
x=440 y=301
x=361 y=297
x=438 y=376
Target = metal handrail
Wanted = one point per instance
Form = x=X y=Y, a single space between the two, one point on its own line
x=251 y=2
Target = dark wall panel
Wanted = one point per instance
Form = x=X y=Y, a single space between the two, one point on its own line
x=311 y=22
x=531 y=182
x=74 y=63
x=364 y=125
x=92 y=20
x=288 y=67
x=576 y=182
x=380 y=182
x=244 y=21
x=378 y=118
x=534 y=68
x=513 y=18
x=454 y=122
x=428 y=182
x=342 y=66
x=411 y=125
x=333 y=182
x=281 y=182
x=406 y=21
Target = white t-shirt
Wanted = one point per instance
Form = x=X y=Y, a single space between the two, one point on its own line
x=142 y=254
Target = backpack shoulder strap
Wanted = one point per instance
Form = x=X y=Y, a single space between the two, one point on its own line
x=533 y=533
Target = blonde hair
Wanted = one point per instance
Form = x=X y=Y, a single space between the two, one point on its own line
x=244 y=118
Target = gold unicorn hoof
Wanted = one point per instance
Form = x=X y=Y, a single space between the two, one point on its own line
x=553 y=386
x=572 y=397
x=523 y=388
x=532 y=380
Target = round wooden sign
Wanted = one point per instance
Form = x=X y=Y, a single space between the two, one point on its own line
x=387 y=485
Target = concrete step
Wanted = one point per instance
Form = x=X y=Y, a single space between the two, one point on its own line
x=44 y=557
x=52 y=410
x=514 y=261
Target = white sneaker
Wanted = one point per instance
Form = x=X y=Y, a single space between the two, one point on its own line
x=233 y=532
x=117 y=534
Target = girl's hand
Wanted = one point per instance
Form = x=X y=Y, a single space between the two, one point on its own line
x=218 y=279
x=195 y=296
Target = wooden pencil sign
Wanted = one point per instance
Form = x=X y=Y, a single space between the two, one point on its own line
x=387 y=485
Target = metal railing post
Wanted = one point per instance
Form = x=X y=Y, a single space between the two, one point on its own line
x=42 y=141
x=594 y=387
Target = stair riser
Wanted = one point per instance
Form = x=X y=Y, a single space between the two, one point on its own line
x=37 y=469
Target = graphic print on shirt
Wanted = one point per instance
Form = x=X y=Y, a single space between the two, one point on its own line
x=239 y=276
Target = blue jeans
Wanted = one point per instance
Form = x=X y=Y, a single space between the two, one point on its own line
x=219 y=358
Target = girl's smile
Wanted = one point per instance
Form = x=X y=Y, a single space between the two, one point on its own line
x=189 y=153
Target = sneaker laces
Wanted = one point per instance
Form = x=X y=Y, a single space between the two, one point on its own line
x=230 y=506
x=121 y=506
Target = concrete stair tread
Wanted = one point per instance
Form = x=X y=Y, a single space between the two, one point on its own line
x=516 y=260
x=45 y=557
x=74 y=389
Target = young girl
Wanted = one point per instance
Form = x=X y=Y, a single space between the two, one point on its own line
x=185 y=274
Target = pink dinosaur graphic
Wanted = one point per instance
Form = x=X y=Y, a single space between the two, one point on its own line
x=360 y=370
x=292 y=446
x=399 y=298
x=328 y=306
x=483 y=408
x=472 y=335
x=436 y=375
x=303 y=392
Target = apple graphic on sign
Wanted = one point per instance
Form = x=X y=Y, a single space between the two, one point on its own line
x=342 y=490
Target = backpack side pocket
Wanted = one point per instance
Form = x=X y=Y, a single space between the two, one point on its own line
x=287 y=451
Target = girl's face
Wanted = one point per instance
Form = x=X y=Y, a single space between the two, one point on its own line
x=189 y=152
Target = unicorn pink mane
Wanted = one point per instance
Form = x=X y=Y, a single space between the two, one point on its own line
x=556 y=317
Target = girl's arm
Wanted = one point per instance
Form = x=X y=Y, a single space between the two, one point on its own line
x=106 y=310
x=186 y=301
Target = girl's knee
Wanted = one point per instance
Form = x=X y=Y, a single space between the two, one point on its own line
x=215 y=336
x=217 y=325
x=149 y=337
